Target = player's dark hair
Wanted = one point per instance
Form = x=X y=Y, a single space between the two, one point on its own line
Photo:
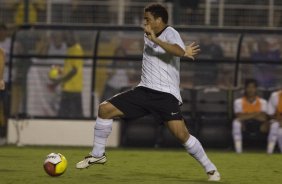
x=157 y=10
x=251 y=81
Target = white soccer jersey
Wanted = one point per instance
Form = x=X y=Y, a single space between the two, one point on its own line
x=160 y=70
x=238 y=107
x=273 y=102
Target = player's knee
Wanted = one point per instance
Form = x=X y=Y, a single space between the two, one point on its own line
x=104 y=111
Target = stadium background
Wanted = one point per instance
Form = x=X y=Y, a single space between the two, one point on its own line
x=231 y=34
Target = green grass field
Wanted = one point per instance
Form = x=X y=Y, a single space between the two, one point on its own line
x=130 y=166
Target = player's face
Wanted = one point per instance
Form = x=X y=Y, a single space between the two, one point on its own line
x=150 y=20
x=251 y=90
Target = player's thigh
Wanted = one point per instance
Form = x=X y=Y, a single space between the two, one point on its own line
x=109 y=111
x=178 y=129
x=130 y=104
x=166 y=106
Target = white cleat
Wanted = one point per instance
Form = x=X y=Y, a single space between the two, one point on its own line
x=213 y=176
x=91 y=160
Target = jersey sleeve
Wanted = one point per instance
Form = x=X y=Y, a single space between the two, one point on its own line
x=173 y=37
x=272 y=103
x=237 y=106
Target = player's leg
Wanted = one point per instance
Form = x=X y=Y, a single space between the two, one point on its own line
x=102 y=130
x=237 y=135
x=128 y=104
x=193 y=147
x=272 y=136
x=167 y=107
x=103 y=127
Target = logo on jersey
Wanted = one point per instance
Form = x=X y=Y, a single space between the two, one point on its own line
x=174 y=113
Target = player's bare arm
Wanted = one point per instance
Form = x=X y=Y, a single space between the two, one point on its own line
x=171 y=48
x=262 y=117
x=190 y=51
x=246 y=116
x=2 y=65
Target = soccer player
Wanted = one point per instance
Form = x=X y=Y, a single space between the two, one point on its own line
x=275 y=112
x=250 y=110
x=158 y=92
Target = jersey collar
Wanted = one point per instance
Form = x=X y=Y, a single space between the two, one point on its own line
x=159 y=33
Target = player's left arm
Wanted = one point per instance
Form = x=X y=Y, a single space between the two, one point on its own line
x=2 y=65
x=172 y=48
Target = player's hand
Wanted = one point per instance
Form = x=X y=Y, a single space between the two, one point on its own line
x=2 y=84
x=192 y=50
x=149 y=32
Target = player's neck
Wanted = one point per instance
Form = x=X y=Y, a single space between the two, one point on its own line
x=161 y=29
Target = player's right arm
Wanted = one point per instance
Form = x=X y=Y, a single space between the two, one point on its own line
x=2 y=65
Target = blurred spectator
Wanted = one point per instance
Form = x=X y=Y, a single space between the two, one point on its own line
x=250 y=112
x=49 y=97
x=275 y=113
x=2 y=87
x=2 y=65
x=5 y=43
x=55 y=45
x=206 y=73
x=265 y=52
x=25 y=44
x=72 y=80
x=33 y=7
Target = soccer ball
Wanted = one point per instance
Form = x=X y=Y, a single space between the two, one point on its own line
x=55 y=164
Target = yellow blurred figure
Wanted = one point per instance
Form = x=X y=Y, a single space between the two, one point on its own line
x=75 y=83
x=34 y=6
x=54 y=72
x=71 y=80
